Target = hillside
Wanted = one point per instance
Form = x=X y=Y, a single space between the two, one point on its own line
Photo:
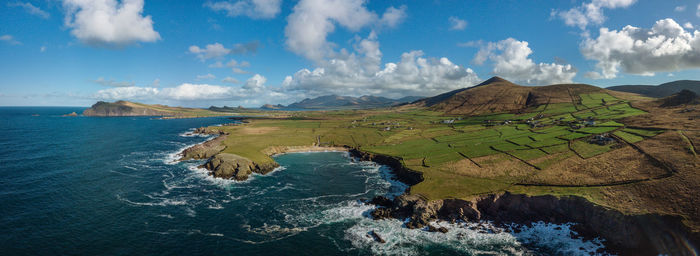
x=127 y=108
x=660 y=91
x=344 y=102
x=497 y=95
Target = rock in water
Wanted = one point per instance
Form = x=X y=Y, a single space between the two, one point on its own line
x=71 y=114
x=377 y=237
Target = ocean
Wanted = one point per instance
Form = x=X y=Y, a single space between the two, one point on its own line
x=111 y=186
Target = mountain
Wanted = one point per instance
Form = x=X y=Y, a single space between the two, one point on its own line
x=127 y=108
x=684 y=97
x=499 y=95
x=660 y=91
x=344 y=102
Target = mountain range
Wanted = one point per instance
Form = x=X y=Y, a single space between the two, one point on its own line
x=660 y=91
x=344 y=102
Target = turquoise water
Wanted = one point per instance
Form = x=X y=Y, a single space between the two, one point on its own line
x=110 y=186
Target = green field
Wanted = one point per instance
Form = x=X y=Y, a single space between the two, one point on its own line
x=540 y=137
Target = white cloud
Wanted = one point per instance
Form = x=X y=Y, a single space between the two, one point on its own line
x=664 y=47
x=31 y=9
x=186 y=92
x=457 y=23
x=42 y=48
x=255 y=83
x=239 y=71
x=679 y=8
x=108 y=22
x=206 y=77
x=392 y=17
x=590 y=13
x=697 y=11
x=132 y=92
x=510 y=59
x=113 y=83
x=156 y=83
x=215 y=50
x=9 y=39
x=312 y=20
x=362 y=74
x=256 y=9
x=688 y=25
x=230 y=80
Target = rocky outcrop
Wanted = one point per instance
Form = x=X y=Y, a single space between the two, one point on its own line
x=626 y=234
x=72 y=114
x=232 y=166
x=223 y=165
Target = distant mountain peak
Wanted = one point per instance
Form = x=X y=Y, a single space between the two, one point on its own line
x=493 y=80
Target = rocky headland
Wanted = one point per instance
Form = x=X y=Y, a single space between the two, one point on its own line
x=231 y=166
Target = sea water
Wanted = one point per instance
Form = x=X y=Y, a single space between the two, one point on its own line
x=113 y=186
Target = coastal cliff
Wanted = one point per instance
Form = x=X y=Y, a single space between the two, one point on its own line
x=647 y=234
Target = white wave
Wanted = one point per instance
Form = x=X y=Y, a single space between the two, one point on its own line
x=191 y=133
x=158 y=202
x=468 y=238
x=166 y=216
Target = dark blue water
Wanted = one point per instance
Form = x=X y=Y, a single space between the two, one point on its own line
x=109 y=186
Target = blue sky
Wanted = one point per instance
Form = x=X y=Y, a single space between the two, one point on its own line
x=251 y=52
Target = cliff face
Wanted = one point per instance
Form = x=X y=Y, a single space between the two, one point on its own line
x=625 y=234
x=121 y=108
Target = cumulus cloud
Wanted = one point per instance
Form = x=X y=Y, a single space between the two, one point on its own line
x=679 y=8
x=31 y=9
x=131 y=92
x=361 y=73
x=187 y=92
x=511 y=60
x=112 y=83
x=312 y=20
x=697 y=11
x=206 y=77
x=109 y=22
x=457 y=23
x=215 y=50
x=9 y=39
x=393 y=16
x=664 y=47
x=590 y=13
x=230 y=80
x=688 y=25
x=256 y=9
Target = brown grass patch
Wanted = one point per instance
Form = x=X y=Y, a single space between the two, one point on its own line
x=257 y=130
x=614 y=166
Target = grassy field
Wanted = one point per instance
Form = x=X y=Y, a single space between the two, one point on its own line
x=508 y=147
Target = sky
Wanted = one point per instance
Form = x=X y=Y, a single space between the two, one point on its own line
x=252 y=52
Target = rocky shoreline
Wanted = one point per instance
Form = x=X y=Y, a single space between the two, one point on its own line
x=232 y=166
x=648 y=234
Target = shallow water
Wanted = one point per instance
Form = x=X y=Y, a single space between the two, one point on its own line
x=86 y=185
